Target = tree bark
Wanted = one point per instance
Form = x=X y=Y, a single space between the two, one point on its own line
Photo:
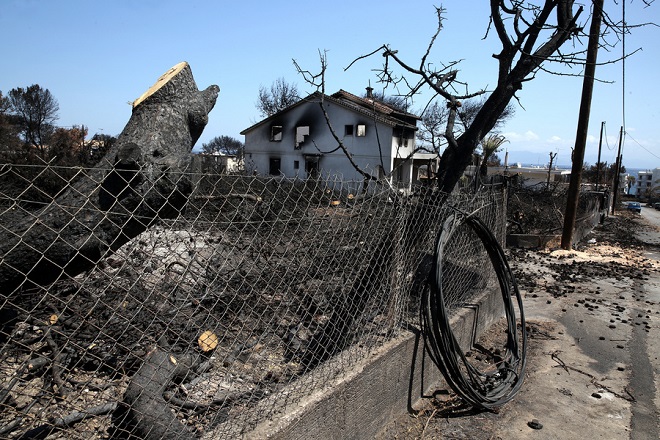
x=141 y=179
x=144 y=413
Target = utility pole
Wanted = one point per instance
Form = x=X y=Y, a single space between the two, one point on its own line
x=617 y=171
x=582 y=128
x=600 y=145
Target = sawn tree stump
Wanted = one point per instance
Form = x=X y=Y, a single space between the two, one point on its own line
x=141 y=179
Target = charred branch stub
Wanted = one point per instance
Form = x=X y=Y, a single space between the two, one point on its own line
x=141 y=179
x=144 y=413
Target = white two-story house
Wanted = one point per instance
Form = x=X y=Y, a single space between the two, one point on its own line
x=647 y=183
x=299 y=142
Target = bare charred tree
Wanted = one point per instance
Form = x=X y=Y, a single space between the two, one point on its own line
x=98 y=147
x=431 y=133
x=435 y=116
x=224 y=145
x=279 y=96
x=531 y=35
x=9 y=131
x=395 y=101
x=141 y=179
x=36 y=112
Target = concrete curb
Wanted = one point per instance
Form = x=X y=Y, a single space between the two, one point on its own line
x=389 y=383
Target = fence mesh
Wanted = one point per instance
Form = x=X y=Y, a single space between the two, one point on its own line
x=152 y=317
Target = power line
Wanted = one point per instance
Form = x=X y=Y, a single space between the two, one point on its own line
x=642 y=147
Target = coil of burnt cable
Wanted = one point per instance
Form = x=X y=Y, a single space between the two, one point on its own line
x=491 y=389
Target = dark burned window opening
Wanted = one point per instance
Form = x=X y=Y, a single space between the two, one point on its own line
x=276 y=133
x=348 y=130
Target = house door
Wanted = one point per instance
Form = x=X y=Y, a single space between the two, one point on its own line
x=274 y=168
x=312 y=167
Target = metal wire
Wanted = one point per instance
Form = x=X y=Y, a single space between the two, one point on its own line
x=211 y=316
x=482 y=389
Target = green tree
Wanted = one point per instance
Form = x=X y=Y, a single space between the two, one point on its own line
x=469 y=109
x=36 y=111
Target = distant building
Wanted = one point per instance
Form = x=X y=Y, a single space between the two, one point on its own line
x=216 y=163
x=298 y=142
x=647 y=183
x=530 y=176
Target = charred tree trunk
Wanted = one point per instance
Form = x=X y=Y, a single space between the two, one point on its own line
x=141 y=179
x=144 y=413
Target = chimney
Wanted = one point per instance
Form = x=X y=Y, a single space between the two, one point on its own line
x=370 y=94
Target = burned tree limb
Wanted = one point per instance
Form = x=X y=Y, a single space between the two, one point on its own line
x=144 y=412
x=59 y=423
x=140 y=180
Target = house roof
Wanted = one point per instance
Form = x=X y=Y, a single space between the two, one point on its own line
x=369 y=107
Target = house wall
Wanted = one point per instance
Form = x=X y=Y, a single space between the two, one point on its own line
x=319 y=145
x=646 y=180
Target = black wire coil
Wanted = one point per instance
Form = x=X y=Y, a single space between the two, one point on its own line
x=487 y=390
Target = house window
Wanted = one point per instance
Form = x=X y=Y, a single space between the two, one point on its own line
x=348 y=130
x=296 y=164
x=276 y=133
x=301 y=132
x=274 y=168
x=361 y=130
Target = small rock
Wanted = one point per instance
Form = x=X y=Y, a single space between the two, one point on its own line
x=535 y=424
x=596 y=395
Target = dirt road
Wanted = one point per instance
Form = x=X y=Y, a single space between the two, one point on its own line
x=593 y=361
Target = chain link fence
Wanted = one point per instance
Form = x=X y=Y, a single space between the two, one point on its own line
x=539 y=209
x=170 y=319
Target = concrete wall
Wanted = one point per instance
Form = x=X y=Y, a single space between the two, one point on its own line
x=359 y=403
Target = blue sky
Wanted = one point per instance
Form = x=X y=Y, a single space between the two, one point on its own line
x=96 y=57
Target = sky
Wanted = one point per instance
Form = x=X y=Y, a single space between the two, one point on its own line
x=97 y=57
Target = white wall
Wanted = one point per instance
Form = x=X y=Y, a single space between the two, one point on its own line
x=259 y=149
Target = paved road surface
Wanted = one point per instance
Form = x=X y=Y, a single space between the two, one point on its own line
x=653 y=217
x=594 y=355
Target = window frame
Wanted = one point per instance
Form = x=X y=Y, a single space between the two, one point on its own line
x=274 y=133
